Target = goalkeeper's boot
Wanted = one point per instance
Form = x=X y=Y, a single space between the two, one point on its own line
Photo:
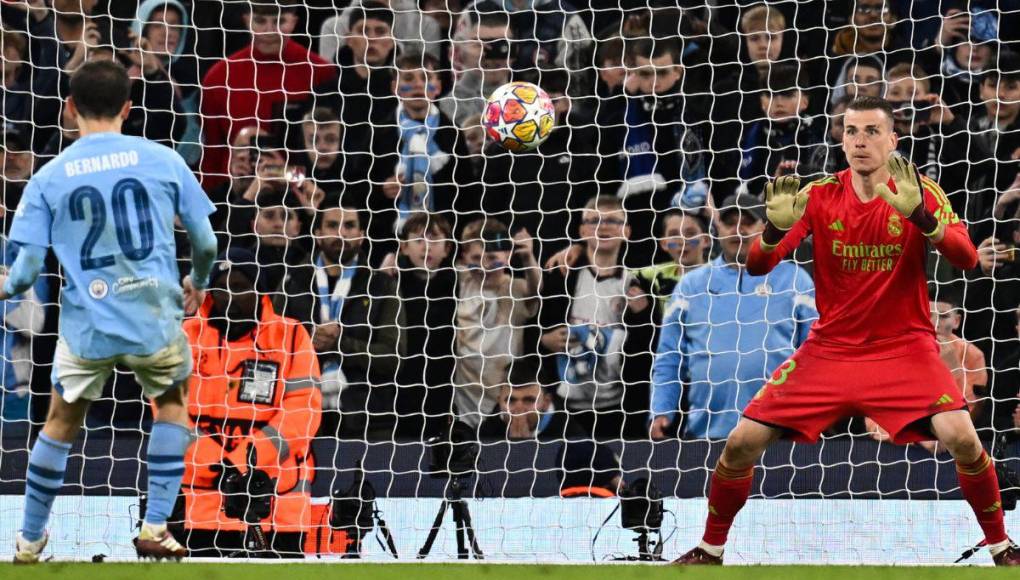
x=1008 y=557
x=157 y=542
x=26 y=552
x=698 y=557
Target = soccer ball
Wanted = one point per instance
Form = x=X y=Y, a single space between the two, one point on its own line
x=518 y=115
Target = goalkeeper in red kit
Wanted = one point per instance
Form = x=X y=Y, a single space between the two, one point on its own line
x=873 y=351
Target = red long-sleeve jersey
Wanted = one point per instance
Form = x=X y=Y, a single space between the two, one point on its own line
x=870 y=282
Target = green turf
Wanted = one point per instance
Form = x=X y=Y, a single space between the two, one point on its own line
x=187 y=571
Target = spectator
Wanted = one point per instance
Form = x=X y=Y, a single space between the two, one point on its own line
x=785 y=135
x=965 y=360
x=762 y=30
x=274 y=227
x=586 y=317
x=430 y=166
x=230 y=195
x=154 y=106
x=321 y=157
x=17 y=163
x=661 y=148
x=967 y=42
x=993 y=290
x=685 y=238
x=870 y=30
x=482 y=61
x=16 y=100
x=936 y=140
x=548 y=33
x=162 y=27
x=428 y=294
x=611 y=72
x=284 y=70
x=525 y=410
x=255 y=406
x=998 y=124
x=833 y=158
x=858 y=76
x=493 y=307
x=364 y=94
x=59 y=38
x=414 y=30
x=1004 y=394
x=22 y=317
x=353 y=314
x=726 y=330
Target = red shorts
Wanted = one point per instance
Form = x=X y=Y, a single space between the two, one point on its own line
x=808 y=393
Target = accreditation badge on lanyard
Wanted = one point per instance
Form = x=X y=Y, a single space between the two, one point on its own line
x=331 y=300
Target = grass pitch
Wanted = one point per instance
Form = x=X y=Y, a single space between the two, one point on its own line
x=294 y=571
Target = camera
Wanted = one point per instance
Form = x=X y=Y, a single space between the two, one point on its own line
x=454 y=452
x=354 y=513
x=916 y=111
x=247 y=497
x=641 y=507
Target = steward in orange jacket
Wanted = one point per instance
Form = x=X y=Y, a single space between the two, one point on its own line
x=255 y=384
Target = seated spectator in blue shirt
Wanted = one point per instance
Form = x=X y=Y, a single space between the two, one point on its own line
x=725 y=330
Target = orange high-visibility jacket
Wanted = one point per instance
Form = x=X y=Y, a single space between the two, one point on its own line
x=261 y=390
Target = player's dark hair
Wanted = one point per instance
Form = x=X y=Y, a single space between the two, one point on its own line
x=867 y=103
x=100 y=88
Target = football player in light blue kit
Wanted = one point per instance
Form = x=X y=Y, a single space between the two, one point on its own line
x=107 y=206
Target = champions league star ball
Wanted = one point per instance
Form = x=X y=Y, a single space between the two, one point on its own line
x=518 y=115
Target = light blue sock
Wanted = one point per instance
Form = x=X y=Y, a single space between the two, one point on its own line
x=45 y=476
x=167 y=444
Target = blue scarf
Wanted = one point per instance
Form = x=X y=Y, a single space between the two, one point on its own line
x=331 y=300
x=639 y=146
x=420 y=158
x=578 y=365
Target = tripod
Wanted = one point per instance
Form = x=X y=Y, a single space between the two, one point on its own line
x=461 y=518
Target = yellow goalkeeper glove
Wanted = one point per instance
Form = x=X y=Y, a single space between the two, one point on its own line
x=908 y=186
x=785 y=202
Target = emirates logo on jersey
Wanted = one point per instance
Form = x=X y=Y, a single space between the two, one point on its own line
x=895 y=225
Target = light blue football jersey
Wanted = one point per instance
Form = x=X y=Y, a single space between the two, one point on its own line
x=107 y=206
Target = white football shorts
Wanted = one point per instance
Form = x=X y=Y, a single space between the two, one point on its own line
x=79 y=378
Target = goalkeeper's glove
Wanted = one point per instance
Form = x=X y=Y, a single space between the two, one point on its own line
x=785 y=202
x=908 y=186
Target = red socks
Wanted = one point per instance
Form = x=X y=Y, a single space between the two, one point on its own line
x=728 y=493
x=980 y=488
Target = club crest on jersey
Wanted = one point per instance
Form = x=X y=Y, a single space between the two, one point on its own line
x=98 y=289
x=763 y=289
x=895 y=225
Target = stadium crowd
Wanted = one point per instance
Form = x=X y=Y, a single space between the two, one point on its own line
x=593 y=287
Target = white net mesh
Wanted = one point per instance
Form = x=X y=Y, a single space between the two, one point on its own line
x=532 y=297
